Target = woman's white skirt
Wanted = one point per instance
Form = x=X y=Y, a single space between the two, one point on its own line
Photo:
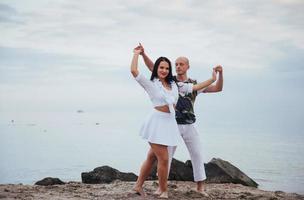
x=160 y=128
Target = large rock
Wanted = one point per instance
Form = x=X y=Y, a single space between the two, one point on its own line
x=217 y=171
x=179 y=171
x=221 y=171
x=106 y=174
x=50 y=181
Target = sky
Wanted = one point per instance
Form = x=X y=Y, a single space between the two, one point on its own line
x=65 y=55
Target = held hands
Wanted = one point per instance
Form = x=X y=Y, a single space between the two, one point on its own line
x=139 y=48
x=218 y=68
x=136 y=51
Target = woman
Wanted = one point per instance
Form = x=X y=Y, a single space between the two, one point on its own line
x=160 y=128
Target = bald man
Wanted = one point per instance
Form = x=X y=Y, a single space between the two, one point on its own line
x=185 y=116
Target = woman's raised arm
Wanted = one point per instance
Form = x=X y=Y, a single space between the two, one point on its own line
x=134 y=63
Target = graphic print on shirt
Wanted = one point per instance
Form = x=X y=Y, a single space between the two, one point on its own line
x=184 y=107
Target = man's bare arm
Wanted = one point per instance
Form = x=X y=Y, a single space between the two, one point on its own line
x=148 y=62
x=202 y=85
x=218 y=86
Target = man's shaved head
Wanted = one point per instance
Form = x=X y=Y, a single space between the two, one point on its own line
x=181 y=65
x=183 y=59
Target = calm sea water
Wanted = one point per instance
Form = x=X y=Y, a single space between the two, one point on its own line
x=37 y=145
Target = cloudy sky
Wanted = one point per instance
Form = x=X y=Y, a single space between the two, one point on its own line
x=63 y=55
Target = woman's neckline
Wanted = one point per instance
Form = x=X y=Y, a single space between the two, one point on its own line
x=169 y=90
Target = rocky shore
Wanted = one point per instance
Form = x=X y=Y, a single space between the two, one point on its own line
x=224 y=181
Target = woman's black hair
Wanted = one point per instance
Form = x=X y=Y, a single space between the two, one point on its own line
x=169 y=77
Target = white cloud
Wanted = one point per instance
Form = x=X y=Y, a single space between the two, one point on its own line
x=233 y=33
x=93 y=40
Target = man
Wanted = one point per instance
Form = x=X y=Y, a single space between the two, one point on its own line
x=185 y=115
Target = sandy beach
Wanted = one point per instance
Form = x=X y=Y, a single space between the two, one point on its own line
x=121 y=190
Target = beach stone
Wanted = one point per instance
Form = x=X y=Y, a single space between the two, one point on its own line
x=217 y=171
x=106 y=174
x=49 y=181
x=179 y=171
x=221 y=171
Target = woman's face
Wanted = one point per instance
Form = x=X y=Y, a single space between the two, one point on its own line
x=163 y=70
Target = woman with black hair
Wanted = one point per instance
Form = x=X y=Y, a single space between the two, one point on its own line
x=160 y=128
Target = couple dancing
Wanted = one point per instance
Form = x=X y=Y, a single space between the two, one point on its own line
x=173 y=116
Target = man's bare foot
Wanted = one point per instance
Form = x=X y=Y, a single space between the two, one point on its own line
x=201 y=188
x=139 y=191
x=157 y=192
x=163 y=195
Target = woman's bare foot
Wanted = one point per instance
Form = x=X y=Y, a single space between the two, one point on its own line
x=203 y=192
x=139 y=191
x=163 y=195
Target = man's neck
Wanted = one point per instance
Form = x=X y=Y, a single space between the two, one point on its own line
x=182 y=77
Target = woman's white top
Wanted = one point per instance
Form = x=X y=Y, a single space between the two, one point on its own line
x=161 y=96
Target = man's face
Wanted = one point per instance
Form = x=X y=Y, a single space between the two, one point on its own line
x=181 y=66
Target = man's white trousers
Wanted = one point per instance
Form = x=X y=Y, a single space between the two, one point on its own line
x=192 y=141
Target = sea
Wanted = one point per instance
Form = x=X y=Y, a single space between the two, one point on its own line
x=35 y=145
